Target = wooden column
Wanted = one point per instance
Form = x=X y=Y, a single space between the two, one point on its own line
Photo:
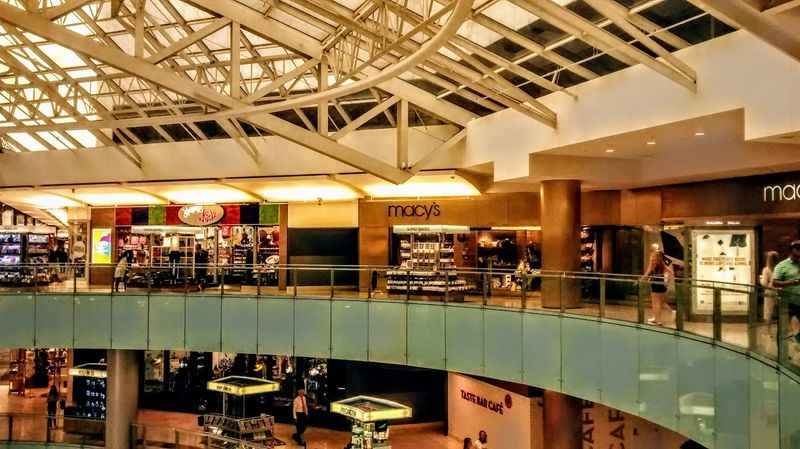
x=563 y=424
x=561 y=215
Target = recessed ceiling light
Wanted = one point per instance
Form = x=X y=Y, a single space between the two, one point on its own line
x=651 y=142
x=699 y=134
x=610 y=150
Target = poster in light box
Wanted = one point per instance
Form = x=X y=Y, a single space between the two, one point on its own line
x=725 y=256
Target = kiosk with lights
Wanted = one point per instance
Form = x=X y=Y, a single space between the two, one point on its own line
x=234 y=421
x=87 y=416
x=370 y=417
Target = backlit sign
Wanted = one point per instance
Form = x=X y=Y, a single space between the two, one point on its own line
x=201 y=215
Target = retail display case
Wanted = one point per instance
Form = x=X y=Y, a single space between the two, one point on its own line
x=370 y=418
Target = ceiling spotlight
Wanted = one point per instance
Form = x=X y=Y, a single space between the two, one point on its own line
x=699 y=134
x=610 y=150
x=651 y=142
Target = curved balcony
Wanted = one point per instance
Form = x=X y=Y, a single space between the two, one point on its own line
x=715 y=371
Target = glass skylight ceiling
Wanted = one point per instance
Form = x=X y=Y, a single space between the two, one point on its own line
x=48 y=89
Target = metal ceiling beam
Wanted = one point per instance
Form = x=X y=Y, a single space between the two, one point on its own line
x=365 y=117
x=276 y=31
x=40 y=26
x=766 y=27
x=619 y=15
x=449 y=144
x=582 y=28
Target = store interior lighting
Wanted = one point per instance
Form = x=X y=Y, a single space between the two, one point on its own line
x=201 y=194
x=423 y=186
x=116 y=198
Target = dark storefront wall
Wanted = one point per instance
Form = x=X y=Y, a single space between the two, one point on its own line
x=324 y=246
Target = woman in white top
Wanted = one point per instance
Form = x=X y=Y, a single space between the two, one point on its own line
x=481 y=442
x=765 y=280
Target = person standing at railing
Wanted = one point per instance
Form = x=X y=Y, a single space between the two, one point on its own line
x=658 y=275
x=787 y=278
x=766 y=280
x=120 y=271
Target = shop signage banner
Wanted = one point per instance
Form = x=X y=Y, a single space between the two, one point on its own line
x=204 y=215
x=425 y=211
x=101 y=245
x=725 y=256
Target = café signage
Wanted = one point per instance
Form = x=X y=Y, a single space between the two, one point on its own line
x=201 y=215
x=488 y=404
x=414 y=210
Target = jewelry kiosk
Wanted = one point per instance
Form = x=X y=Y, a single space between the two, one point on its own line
x=370 y=417
x=234 y=422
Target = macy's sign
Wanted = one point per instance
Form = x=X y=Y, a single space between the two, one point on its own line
x=786 y=192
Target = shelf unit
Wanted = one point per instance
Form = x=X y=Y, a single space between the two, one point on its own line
x=427 y=267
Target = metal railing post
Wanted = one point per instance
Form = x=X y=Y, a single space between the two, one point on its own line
x=562 y=307
x=294 y=283
x=639 y=303
x=783 y=326
x=369 y=283
x=408 y=285
x=333 y=280
x=603 y=297
x=680 y=303
x=258 y=282
x=485 y=292
x=524 y=291
x=222 y=283
x=752 y=319
x=717 y=314
x=446 y=286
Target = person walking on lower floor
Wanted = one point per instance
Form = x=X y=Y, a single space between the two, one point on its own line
x=52 y=406
x=300 y=415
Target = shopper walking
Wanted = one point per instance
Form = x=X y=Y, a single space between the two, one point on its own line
x=300 y=415
x=767 y=276
x=52 y=406
x=787 y=278
x=120 y=272
x=483 y=440
x=468 y=443
x=656 y=274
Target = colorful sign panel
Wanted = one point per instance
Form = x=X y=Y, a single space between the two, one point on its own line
x=201 y=215
x=101 y=245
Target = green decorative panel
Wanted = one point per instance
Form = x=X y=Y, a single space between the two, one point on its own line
x=789 y=412
x=658 y=384
x=426 y=335
x=167 y=322
x=276 y=326
x=732 y=383
x=240 y=324
x=763 y=410
x=350 y=330
x=696 y=395
x=583 y=351
x=203 y=323
x=54 y=321
x=387 y=332
x=312 y=333
x=503 y=340
x=620 y=366
x=17 y=321
x=92 y=321
x=464 y=333
x=129 y=322
x=269 y=214
x=542 y=350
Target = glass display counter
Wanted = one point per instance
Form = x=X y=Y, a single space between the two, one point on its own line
x=370 y=417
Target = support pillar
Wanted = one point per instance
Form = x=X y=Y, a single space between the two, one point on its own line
x=122 y=397
x=561 y=221
x=563 y=421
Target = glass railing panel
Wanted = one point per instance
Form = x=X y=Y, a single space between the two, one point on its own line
x=698 y=313
x=619 y=298
x=581 y=294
